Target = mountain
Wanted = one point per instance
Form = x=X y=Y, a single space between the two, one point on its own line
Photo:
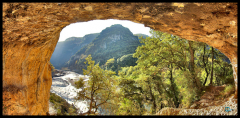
x=64 y=50
x=113 y=42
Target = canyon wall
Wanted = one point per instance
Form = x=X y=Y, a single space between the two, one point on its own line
x=31 y=32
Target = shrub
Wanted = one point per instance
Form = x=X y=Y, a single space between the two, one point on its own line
x=62 y=106
x=228 y=90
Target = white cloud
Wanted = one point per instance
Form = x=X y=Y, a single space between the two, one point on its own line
x=80 y=29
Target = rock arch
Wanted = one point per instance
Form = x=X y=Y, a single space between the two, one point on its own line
x=31 y=32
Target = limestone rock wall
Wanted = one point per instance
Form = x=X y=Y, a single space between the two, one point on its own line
x=31 y=31
x=26 y=78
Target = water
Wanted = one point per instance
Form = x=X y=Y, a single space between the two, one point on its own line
x=63 y=87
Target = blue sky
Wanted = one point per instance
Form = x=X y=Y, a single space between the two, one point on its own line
x=80 y=29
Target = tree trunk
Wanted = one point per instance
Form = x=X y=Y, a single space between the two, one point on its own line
x=212 y=68
x=192 y=70
x=176 y=102
x=191 y=56
x=205 y=66
x=92 y=93
x=153 y=98
x=205 y=81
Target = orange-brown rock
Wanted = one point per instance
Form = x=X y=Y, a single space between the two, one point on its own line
x=31 y=31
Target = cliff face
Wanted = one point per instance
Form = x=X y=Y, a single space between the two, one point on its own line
x=26 y=78
x=31 y=32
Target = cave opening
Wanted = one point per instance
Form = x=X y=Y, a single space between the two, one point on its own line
x=69 y=53
x=81 y=35
x=31 y=32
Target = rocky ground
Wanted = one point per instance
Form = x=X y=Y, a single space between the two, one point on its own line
x=63 y=86
x=212 y=102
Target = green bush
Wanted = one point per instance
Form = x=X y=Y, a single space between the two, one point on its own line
x=228 y=89
x=62 y=106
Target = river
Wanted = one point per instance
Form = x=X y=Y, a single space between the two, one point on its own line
x=63 y=86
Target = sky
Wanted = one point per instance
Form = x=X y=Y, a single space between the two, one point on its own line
x=80 y=29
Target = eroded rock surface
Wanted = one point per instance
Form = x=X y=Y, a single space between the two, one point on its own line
x=31 y=31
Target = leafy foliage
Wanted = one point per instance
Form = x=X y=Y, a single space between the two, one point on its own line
x=164 y=71
x=170 y=72
x=99 y=87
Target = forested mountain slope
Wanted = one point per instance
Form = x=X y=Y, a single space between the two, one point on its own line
x=64 y=50
x=113 y=42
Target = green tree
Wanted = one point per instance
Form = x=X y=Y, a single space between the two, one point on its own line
x=98 y=89
x=132 y=94
x=170 y=71
x=110 y=63
x=161 y=51
x=205 y=63
x=214 y=65
x=146 y=82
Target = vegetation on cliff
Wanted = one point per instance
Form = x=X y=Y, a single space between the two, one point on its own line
x=62 y=106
